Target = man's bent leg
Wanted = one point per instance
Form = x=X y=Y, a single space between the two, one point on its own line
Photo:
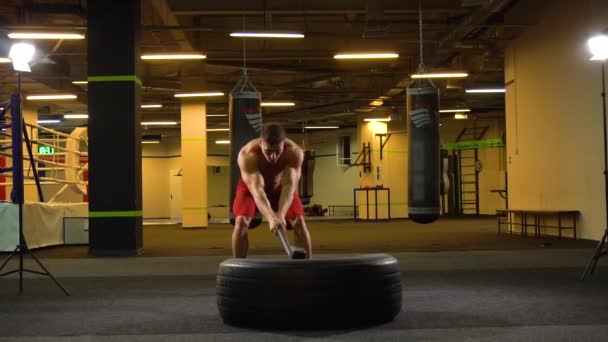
x=302 y=236
x=240 y=239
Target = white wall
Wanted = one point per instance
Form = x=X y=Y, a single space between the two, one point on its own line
x=392 y=168
x=333 y=184
x=554 y=115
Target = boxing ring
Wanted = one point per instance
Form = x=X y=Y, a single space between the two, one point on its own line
x=63 y=172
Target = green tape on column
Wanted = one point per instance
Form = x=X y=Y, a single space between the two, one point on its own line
x=116 y=78
x=114 y=214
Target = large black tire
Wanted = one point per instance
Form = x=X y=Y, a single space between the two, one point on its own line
x=336 y=292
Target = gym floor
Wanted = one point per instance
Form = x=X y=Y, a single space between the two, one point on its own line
x=461 y=281
x=338 y=236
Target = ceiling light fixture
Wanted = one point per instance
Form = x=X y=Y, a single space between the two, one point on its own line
x=51 y=97
x=441 y=75
x=45 y=35
x=151 y=105
x=218 y=129
x=376 y=103
x=216 y=115
x=76 y=116
x=454 y=110
x=80 y=82
x=159 y=123
x=267 y=35
x=222 y=142
x=150 y=141
x=460 y=116
x=178 y=56
x=207 y=94
x=277 y=104
x=495 y=90
x=321 y=127
x=48 y=121
x=5 y=60
x=366 y=56
x=377 y=119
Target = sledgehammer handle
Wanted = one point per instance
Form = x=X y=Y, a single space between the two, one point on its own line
x=284 y=242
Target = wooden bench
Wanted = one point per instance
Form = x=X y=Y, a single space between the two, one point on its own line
x=508 y=217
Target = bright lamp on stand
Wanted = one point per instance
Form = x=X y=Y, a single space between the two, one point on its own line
x=21 y=54
x=598 y=46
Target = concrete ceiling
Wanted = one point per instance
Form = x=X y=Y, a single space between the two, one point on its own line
x=462 y=35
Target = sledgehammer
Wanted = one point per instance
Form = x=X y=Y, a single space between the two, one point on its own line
x=292 y=252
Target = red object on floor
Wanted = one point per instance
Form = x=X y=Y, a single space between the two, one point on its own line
x=85 y=177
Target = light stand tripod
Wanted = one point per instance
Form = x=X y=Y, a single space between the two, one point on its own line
x=17 y=129
x=601 y=247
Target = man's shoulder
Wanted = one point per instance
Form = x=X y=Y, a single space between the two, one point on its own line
x=250 y=147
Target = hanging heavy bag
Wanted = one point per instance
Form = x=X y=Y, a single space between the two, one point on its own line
x=245 y=117
x=423 y=156
x=305 y=186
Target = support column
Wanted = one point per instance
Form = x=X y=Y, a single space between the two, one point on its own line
x=30 y=116
x=115 y=200
x=194 y=157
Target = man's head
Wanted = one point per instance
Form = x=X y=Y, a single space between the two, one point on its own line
x=272 y=141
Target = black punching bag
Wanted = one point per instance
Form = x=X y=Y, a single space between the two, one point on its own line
x=305 y=187
x=245 y=117
x=423 y=156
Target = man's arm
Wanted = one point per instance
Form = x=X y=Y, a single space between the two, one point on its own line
x=289 y=181
x=255 y=183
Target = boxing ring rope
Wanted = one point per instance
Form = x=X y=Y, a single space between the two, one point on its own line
x=68 y=161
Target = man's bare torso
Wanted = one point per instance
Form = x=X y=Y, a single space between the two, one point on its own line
x=271 y=172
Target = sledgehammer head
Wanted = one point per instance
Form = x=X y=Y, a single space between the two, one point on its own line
x=298 y=253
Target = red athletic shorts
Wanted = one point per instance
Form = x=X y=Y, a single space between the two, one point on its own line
x=244 y=204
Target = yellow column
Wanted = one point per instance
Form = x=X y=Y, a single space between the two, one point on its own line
x=194 y=161
x=30 y=116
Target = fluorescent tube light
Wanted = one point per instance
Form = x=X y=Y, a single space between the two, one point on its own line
x=460 y=116
x=216 y=115
x=266 y=35
x=151 y=105
x=496 y=90
x=44 y=35
x=49 y=121
x=80 y=82
x=377 y=119
x=150 y=141
x=173 y=56
x=376 y=103
x=441 y=75
x=207 y=94
x=366 y=56
x=76 y=116
x=454 y=110
x=158 y=123
x=51 y=97
x=5 y=60
x=277 y=104
x=218 y=129
x=321 y=127
x=222 y=142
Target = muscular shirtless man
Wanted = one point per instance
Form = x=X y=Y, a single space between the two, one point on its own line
x=270 y=170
